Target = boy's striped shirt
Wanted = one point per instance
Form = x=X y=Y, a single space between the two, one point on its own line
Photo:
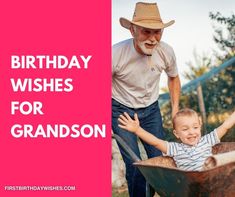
x=192 y=158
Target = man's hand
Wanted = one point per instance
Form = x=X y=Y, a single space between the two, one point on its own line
x=127 y=123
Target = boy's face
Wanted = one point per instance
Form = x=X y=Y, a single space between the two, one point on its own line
x=188 y=129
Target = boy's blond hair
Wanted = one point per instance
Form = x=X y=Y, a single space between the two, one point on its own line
x=182 y=113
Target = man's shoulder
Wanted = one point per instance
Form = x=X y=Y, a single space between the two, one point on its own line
x=165 y=51
x=166 y=47
x=121 y=49
x=122 y=44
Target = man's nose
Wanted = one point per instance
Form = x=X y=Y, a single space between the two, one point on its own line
x=152 y=37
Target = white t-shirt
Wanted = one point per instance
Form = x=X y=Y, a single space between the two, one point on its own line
x=192 y=158
x=135 y=77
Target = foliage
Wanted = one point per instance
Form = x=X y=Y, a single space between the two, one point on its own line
x=224 y=37
x=218 y=92
x=200 y=66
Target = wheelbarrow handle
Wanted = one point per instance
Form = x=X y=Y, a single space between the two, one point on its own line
x=126 y=148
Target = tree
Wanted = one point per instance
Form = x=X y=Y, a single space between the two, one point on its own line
x=218 y=92
x=201 y=66
x=224 y=37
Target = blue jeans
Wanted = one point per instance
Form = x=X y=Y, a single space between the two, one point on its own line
x=150 y=120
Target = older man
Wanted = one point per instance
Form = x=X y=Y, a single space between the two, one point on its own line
x=136 y=68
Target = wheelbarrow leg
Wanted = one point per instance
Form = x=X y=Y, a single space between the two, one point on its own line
x=149 y=190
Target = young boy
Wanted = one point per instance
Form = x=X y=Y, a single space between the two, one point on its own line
x=191 y=154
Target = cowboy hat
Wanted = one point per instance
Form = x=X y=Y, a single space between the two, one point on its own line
x=146 y=15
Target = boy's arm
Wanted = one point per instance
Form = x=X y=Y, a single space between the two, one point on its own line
x=133 y=126
x=222 y=130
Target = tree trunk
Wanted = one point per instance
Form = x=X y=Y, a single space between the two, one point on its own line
x=201 y=105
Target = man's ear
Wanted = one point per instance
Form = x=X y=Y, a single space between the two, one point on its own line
x=132 y=30
x=161 y=33
x=175 y=133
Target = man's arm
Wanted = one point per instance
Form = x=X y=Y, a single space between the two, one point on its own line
x=174 y=91
x=222 y=130
x=133 y=126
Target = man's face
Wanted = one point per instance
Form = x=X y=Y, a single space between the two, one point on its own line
x=145 y=40
x=188 y=129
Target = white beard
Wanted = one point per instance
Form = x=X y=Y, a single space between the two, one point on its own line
x=145 y=50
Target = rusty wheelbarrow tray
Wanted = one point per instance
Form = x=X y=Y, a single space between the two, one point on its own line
x=167 y=180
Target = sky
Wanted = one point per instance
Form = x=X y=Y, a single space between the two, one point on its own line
x=193 y=29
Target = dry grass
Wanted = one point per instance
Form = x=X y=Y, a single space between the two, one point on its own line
x=120 y=192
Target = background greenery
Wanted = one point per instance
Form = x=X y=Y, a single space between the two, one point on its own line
x=218 y=91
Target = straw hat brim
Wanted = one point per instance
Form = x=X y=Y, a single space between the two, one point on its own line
x=146 y=24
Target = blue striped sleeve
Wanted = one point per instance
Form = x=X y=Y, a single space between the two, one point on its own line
x=212 y=138
x=172 y=149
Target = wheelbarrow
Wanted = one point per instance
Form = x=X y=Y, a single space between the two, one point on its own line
x=167 y=180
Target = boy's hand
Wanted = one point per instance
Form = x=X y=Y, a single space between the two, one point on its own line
x=229 y=123
x=127 y=123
